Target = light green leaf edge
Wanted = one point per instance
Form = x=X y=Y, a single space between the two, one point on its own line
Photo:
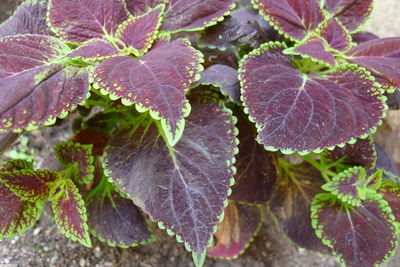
x=150 y=36
x=75 y=191
x=88 y=153
x=21 y=193
x=20 y=163
x=260 y=224
x=383 y=205
x=198 y=261
x=346 y=32
x=362 y=24
x=172 y=140
x=212 y=22
x=357 y=69
x=64 y=113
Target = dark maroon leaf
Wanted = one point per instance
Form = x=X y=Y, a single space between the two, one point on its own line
x=191 y=15
x=391 y=193
x=293 y=18
x=242 y=27
x=224 y=77
x=36 y=87
x=234 y=234
x=359 y=236
x=157 y=81
x=302 y=112
x=352 y=13
x=362 y=153
x=255 y=179
x=16 y=215
x=117 y=221
x=138 y=33
x=184 y=188
x=94 y=49
x=7 y=140
x=291 y=205
x=30 y=185
x=314 y=47
x=29 y=18
x=77 y=156
x=88 y=136
x=382 y=58
x=139 y=7
x=349 y=186
x=361 y=37
x=70 y=214
x=335 y=34
x=82 y=20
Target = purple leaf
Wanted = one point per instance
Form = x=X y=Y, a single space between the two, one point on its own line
x=294 y=18
x=234 y=234
x=359 y=236
x=7 y=140
x=139 y=7
x=224 y=77
x=362 y=37
x=256 y=168
x=70 y=214
x=362 y=153
x=390 y=192
x=348 y=186
x=79 y=157
x=335 y=34
x=184 y=188
x=242 y=27
x=29 y=18
x=192 y=15
x=36 y=87
x=117 y=221
x=313 y=46
x=81 y=20
x=94 y=49
x=157 y=81
x=352 y=13
x=30 y=185
x=385 y=163
x=291 y=205
x=302 y=112
x=138 y=33
x=382 y=58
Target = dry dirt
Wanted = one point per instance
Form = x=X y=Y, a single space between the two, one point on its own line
x=45 y=246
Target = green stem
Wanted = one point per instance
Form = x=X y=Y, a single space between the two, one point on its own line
x=324 y=170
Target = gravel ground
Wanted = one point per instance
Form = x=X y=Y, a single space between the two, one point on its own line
x=45 y=246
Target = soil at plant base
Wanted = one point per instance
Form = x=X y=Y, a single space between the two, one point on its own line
x=44 y=245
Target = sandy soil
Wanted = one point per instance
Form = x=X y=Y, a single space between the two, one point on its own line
x=45 y=246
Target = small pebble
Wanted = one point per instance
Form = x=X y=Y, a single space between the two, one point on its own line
x=97 y=252
x=46 y=249
x=82 y=262
x=37 y=231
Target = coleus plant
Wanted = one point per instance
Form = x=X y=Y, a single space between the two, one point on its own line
x=202 y=152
